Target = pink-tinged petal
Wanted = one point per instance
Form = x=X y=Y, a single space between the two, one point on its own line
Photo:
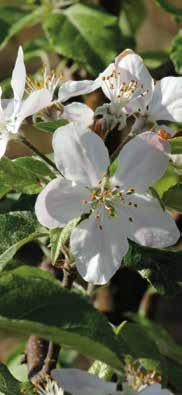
x=78 y=112
x=76 y=88
x=131 y=67
x=79 y=382
x=167 y=100
x=143 y=160
x=19 y=76
x=165 y=131
x=37 y=101
x=3 y=144
x=147 y=223
x=80 y=154
x=98 y=246
x=60 y=202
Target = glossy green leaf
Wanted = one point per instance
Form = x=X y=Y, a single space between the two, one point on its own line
x=172 y=198
x=50 y=126
x=176 y=52
x=16 y=230
x=135 y=341
x=8 y=384
x=132 y=15
x=176 y=145
x=73 y=33
x=30 y=19
x=59 y=237
x=23 y=175
x=162 y=339
x=169 y=179
x=162 y=268
x=54 y=313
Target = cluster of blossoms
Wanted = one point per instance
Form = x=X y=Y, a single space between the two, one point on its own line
x=79 y=382
x=113 y=207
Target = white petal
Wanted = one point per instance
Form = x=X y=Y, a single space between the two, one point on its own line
x=104 y=84
x=3 y=144
x=34 y=103
x=148 y=224
x=143 y=160
x=19 y=76
x=76 y=112
x=131 y=67
x=80 y=154
x=78 y=382
x=76 y=88
x=155 y=389
x=167 y=100
x=98 y=246
x=59 y=202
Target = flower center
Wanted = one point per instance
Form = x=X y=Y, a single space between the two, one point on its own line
x=47 y=80
x=121 y=91
x=111 y=199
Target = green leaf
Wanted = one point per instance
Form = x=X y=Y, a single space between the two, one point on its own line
x=50 y=126
x=169 y=7
x=28 y=20
x=162 y=339
x=162 y=268
x=8 y=16
x=176 y=53
x=172 y=198
x=73 y=33
x=142 y=348
x=8 y=384
x=59 y=237
x=49 y=311
x=176 y=145
x=16 y=230
x=169 y=179
x=132 y=15
x=35 y=166
x=23 y=175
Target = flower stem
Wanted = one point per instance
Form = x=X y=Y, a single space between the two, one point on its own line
x=40 y=154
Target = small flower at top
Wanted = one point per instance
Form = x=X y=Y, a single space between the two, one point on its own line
x=119 y=206
x=14 y=111
x=72 y=112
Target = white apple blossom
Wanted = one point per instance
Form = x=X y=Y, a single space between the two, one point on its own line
x=131 y=90
x=119 y=206
x=72 y=112
x=152 y=389
x=14 y=111
x=79 y=382
x=119 y=85
x=51 y=388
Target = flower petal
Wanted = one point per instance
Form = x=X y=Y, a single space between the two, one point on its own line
x=155 y=389
x=76 y=88
x=34 y=103
x=80 y=154
x=147 y=223
x=59 y=202
x=143 y=160
x=166 y=103
x=3 y=144
x=131 y=67
x=19 y=76
x=98 y=246
x=76 y=112
x=78 y=382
